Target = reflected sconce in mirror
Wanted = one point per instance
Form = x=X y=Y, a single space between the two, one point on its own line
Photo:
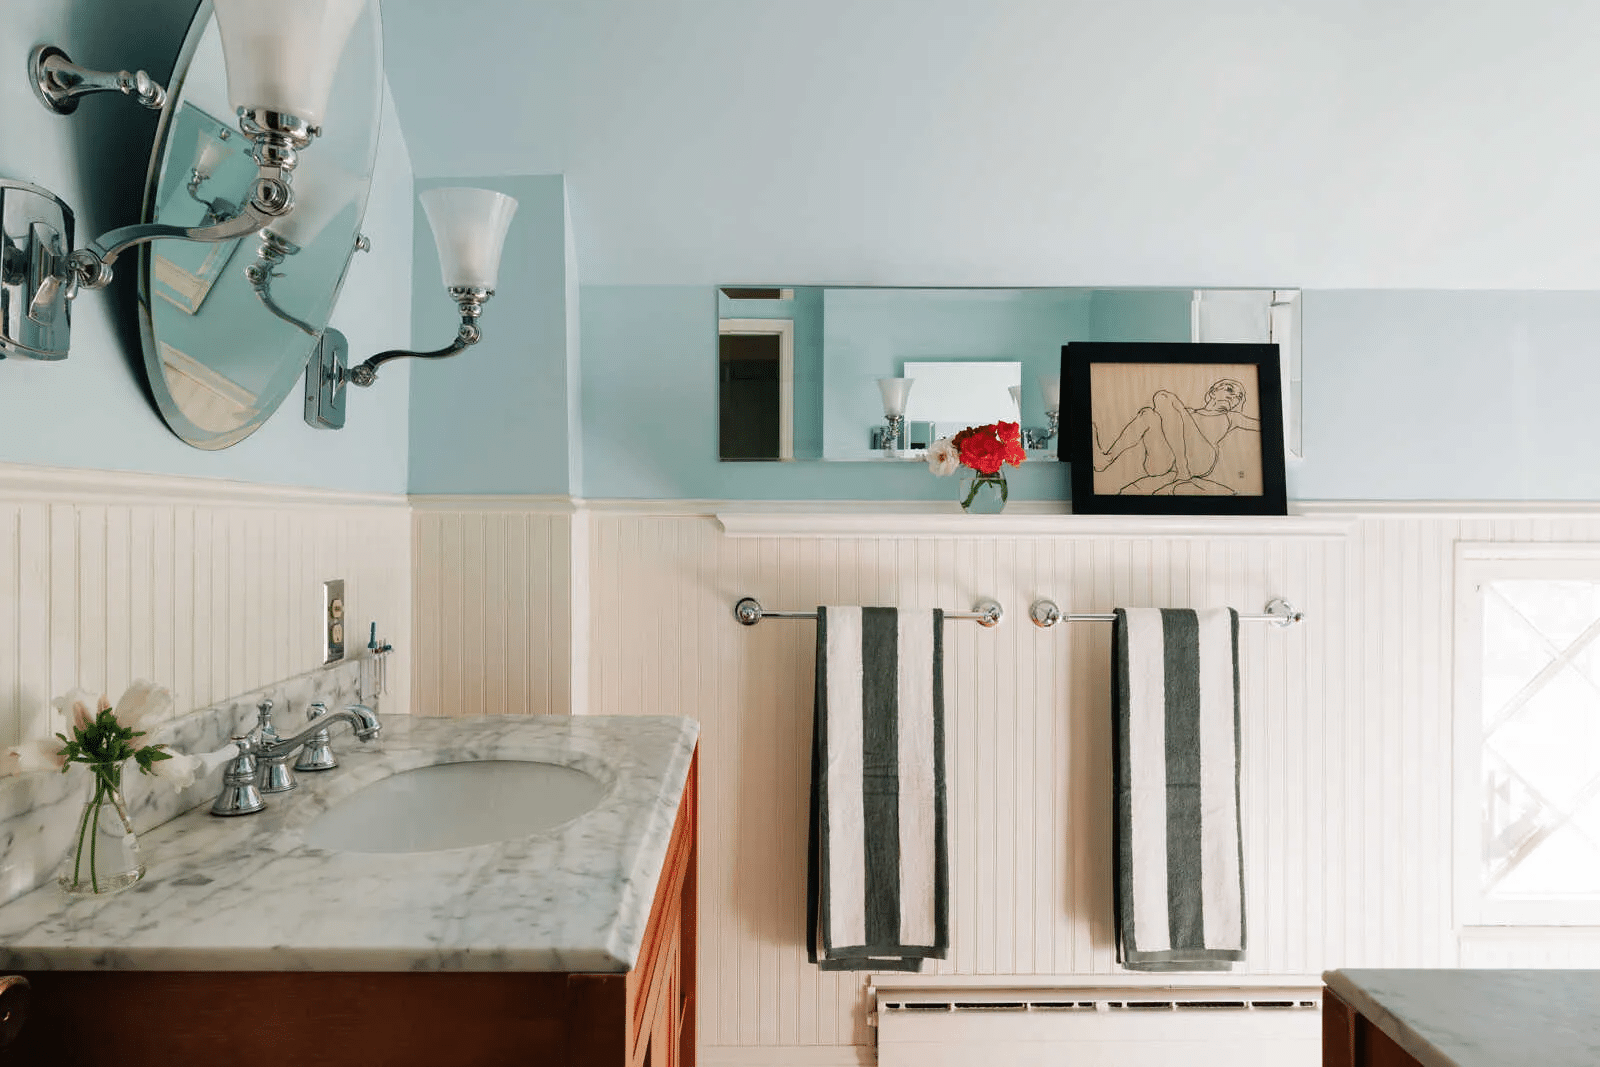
x=469 y=229
x=1050 y=391
x=322 y=192
x=210 y=152
x=280 y=58
x=896 y=391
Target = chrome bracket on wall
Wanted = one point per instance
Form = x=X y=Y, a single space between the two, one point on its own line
x=325 y=378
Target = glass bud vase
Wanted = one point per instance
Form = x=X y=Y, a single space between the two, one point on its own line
x=984 y=494
x=104 y=856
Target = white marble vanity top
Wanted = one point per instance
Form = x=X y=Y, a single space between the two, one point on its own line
x=1481 y=1018
x=246 y=893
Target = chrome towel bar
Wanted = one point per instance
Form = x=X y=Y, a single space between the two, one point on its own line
x=1046 y=614
x=749 y=611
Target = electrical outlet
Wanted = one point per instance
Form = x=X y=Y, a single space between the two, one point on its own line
x=333 y=620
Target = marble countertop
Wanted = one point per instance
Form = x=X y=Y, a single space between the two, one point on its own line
x=247 y=894
x=1487 y=1018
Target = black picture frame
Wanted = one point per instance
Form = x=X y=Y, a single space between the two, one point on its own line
x=1146 y=389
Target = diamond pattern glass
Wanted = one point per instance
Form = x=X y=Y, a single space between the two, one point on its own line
x=1541 y=739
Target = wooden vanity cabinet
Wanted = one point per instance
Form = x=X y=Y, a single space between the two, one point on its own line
x=644 y=1018
x=1350 y=1039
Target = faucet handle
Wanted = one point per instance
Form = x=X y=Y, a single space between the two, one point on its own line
x=317 y=753
x=240 y=794
x=269 y=733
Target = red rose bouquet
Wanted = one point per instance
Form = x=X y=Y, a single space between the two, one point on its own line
x=987 y=450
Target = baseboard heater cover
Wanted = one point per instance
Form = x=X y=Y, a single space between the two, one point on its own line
x=1145 y=1026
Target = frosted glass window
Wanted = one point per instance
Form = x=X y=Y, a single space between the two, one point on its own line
x=1539 y=693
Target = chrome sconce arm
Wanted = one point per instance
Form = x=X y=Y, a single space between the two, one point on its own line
x=272 y=252
x=329 y=374
x=216 y=210
x=59 y=83
x=470 y=301
x=271 y=199
x=274 y=249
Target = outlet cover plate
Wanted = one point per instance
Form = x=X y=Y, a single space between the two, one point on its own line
x=333 y=620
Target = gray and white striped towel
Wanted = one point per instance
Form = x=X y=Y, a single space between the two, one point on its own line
x=877 y=885
x=1179 y=857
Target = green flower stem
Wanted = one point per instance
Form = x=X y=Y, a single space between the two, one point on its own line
x=107 y=778
x=83 y=823
x=979 y=481
x=94 y=833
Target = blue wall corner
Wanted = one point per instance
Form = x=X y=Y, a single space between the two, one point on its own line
x=494 y=419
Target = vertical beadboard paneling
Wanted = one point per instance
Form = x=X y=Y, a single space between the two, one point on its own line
x=197 y=585
x=492 y=588
x=1346 y=728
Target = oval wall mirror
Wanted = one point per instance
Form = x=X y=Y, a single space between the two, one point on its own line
x=228 y=327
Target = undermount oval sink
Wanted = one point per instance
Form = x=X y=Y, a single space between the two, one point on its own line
x=456 y=805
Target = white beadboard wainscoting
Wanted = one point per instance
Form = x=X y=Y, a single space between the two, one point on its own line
x=494 y=605
x=212 y=588
x=1346 y=747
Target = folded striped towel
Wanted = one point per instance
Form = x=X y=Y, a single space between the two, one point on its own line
x=877 y=879
x=1175 y=706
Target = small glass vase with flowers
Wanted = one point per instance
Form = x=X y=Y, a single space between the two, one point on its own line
x=104 y=853
x=986 y=451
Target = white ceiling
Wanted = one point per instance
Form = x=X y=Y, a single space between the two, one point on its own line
x=1315 y=143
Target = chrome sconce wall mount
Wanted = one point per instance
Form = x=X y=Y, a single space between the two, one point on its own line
x=280 y=60
x=469 y=229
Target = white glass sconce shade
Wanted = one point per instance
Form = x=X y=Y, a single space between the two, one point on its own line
x=1050 y=386
x=895 y=393
x=282 y=54
x=321 y=191
x=211 y=152
x=469 y=227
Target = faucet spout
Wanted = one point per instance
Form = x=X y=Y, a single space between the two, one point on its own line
x=362 y=719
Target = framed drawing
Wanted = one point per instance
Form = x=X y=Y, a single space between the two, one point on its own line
x=1173 y=429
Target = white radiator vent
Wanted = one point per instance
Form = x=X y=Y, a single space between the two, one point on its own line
x=1056 y=1004
x=1102 y=1026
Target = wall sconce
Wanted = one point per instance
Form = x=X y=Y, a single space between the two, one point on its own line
x=281 y=59
x=1050 y=388
x=469 y=230
x=896 y=391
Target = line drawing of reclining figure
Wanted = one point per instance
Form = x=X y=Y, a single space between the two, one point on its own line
x=1181 y=444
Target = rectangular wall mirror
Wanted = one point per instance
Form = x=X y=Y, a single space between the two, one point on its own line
x=800 y=367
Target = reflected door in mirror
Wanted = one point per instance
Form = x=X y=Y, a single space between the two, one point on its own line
x=755 y=391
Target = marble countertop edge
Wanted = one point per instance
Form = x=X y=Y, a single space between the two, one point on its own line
x=252 y=959
x=1480 y=1017
x=1425 y=1051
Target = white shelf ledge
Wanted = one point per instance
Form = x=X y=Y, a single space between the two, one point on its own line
x=931 y=520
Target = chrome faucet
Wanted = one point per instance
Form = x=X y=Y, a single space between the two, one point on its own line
x=263 y=750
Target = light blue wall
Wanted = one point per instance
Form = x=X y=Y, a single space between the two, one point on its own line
x=494 y=419
x=1430 y=395
x=92 y=410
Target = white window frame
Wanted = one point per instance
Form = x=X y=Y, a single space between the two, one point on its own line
x=1478 y=563
x=784 y=330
